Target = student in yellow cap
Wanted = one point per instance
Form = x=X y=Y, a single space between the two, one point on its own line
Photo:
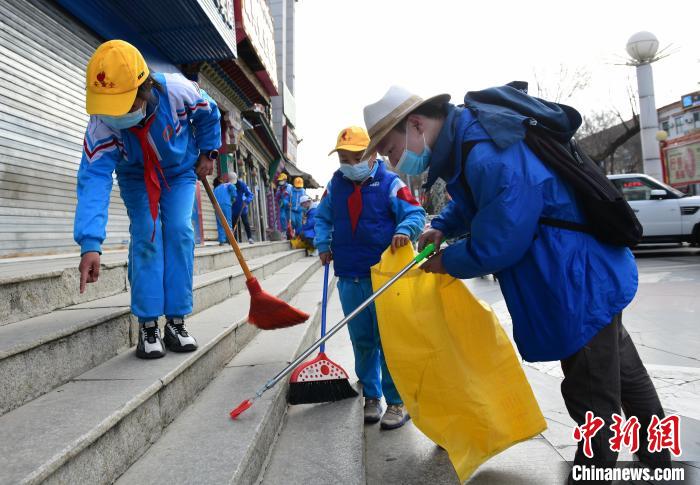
x=159 y=132
x=297 y=210
x=365 y=209
x=283 y=197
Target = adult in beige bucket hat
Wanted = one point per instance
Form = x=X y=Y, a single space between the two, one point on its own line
x=389 y=113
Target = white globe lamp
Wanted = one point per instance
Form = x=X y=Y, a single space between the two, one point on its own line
x=643 y=46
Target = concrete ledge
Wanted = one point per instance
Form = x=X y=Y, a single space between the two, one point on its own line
x=203 y=445
x=125 y=403
x=30 y=288
x=43 y=352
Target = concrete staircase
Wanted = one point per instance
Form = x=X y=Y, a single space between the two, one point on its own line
x=77 y=406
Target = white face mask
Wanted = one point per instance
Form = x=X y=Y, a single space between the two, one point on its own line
x=358 y=172
x=233 y=179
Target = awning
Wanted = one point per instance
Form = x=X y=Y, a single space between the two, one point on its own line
x=184 y=31
x=293 y=171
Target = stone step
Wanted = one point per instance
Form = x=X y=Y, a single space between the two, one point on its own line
x=323 y=443
x=46 y=351
x=204 y=445
x=35 y=286
x=93 y=428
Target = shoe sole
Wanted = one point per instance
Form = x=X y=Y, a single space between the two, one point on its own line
x=185 y=348
x=395 y=426
x=372 y=420
x=143 y=355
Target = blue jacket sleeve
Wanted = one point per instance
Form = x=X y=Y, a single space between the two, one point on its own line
x=408 y=213
x=247 y=194
x=506 y=218
x=452 y=220
x=93 y=191
x=207 y=127
x=324 y=222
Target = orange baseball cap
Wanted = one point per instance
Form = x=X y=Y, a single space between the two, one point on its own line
x=114 y=74
x=352 y=139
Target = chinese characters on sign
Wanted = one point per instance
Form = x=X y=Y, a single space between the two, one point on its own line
x=663 y=433
x=683 y=163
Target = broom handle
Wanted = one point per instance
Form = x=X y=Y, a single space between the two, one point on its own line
x=227 y=228
x=417 y=259
x=326 y=269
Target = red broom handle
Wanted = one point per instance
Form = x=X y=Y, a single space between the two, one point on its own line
x=227 y=228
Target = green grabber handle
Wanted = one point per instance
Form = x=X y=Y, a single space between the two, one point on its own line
x=430 y=248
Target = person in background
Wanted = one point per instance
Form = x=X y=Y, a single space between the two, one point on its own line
x=226 y=195
x=308 y=233
x=159 y=132
x=283 y=195
x=297 y=192
x=240 y=207
x=364 y=210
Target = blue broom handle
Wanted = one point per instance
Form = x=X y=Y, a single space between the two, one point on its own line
x=325 y=304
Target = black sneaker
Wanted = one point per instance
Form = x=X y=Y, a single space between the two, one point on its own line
x=150 y=345
x=176 y=337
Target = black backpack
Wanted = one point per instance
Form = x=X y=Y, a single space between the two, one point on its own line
x=608 y=215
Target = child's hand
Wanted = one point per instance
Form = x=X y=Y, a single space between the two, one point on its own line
x=399 y=240
x=325 y=258
x=89 y=269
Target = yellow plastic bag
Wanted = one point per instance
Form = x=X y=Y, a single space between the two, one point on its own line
x=453 y=364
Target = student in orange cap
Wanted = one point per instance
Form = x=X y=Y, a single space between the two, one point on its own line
x=159 y=132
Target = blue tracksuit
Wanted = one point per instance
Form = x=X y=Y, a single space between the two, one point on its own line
x=283 y=196
x=357 y=223
x=245 y=197
x=561 y=286
x=186 y=121
x=225 y=195
x=297 y=210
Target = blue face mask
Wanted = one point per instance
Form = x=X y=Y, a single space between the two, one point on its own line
x=125 y=121
x=358 y=172
x=412 y=163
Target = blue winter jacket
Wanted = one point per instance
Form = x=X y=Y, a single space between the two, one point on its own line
x=225 y=195
x=296 y=196
x=187 y=122
x=358 y=229
x=561 y=287
x=245 y=196
x=307 y=230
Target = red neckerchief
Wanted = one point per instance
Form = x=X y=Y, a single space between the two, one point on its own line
x=355 y=204
x=150 y=165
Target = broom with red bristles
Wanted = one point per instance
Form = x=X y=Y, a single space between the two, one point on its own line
x=266 y=311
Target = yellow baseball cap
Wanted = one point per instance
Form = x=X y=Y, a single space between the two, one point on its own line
x=114 y=74
x=352 y=139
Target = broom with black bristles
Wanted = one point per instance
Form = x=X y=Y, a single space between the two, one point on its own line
x=320 y=379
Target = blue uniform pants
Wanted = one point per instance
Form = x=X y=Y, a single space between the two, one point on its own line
x=161 y=272
x=296 y=221
x=226 y=209
x=284 y=217
x=370 y=365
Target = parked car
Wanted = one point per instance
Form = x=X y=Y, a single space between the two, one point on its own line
x=666 y=214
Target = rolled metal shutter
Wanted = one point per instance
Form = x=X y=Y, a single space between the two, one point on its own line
x=44 y=53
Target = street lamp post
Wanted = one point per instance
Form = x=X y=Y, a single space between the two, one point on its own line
x=642 y=48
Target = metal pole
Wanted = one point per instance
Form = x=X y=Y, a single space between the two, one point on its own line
x=335 y=329
x=648 y=122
